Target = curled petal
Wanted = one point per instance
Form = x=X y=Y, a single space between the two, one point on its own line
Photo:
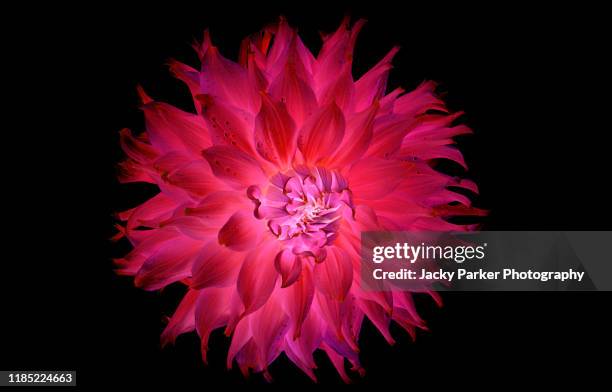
x=289 y=266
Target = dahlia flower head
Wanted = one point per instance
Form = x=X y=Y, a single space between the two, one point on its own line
x=266 y=188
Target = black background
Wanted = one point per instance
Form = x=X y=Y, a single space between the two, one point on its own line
x=531 y=81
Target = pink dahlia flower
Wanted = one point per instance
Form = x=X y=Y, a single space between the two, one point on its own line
x=264 y=192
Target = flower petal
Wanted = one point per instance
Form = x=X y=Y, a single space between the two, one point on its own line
x=257 y=277
x=183 y=319
x=340 y=90
x=289 y=266
x=298 y=298
x=170 y=263
x=359 y=130
x=240 y=232
x=234 y=167
x=373 y=84
x=172 y=129
x=269 y=326
x=373 y=178
x=196 y=178
x=149 y=213
x=217 y=207
x=334 y=276
x=419 y=100
x=275 y=133
x=192 y=226
x=215 y=266
x=378 y=316
x=224 y=79
x=136 y=149
x=189 y=76
x=337 y=50
x=298 y=96
x=227 y=125
x=322 y=133
x=212 y=311
x=144 y=248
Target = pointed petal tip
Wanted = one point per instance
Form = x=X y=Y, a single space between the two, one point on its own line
x=144 y=97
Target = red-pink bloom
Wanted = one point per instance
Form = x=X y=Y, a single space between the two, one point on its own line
x=266 y=189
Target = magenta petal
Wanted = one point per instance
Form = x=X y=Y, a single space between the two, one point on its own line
x=234 y=167
x=226 y=126
x=419 y=100
x=269 y=326
x=189 y=76
x=150 y=213
x=196 y=178
x=298 y=299
x=359 y=131
x=240 y=232
x=183 y=319
x=264 y=194
x=144 y=248
x=373 y=84
x=275 y=133
x=136 y=149
x=224 y=79
x=170 y=263
x=322 y=133
x=215 y=266
x=334 y=276
x=240 y=338
x=191 y=226
x=212 y=311
x=257 y=277
x=373 y=178
x=289 y=266
x=172 y=129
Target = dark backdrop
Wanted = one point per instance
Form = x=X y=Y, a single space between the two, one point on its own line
x=531 y=81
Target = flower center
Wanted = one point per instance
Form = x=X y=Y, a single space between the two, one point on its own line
x=303 y=207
